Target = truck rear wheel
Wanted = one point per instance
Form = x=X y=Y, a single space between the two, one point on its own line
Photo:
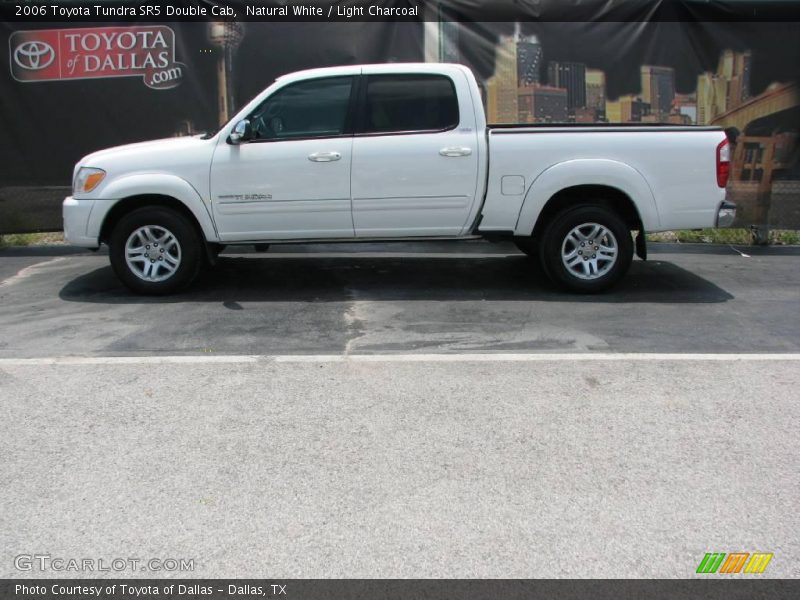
x=155 y=251
x=587 y=248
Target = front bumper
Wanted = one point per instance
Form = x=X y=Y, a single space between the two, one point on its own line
x=726 y=214
x=77 y=214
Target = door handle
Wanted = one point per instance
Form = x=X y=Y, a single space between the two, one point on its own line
x=455 y=151
x=324 y=156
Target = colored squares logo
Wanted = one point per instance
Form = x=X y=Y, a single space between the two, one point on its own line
x=735 y=562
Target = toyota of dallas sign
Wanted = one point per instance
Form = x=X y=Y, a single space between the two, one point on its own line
x=97 y=52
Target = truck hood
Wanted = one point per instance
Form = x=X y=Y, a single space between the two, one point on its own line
x=143 y=155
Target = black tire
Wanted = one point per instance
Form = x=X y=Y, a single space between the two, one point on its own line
x=606 y=272
x=189 y=250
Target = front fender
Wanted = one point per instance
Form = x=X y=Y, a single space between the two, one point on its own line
x=589 y=171
x=152 y=183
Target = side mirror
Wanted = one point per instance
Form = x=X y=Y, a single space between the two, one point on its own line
x=241 y=132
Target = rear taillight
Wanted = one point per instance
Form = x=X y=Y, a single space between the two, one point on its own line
x=723 y=163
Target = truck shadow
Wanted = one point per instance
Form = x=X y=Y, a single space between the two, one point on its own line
x=307 y=278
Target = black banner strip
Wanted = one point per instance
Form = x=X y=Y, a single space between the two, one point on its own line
x=78 y=11
x=713 y=588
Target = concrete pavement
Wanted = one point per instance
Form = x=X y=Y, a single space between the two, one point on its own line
x=391 y=469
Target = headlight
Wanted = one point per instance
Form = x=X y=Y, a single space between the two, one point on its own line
x=87 y=179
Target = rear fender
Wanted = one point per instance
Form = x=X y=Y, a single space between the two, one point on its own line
x=593 y=171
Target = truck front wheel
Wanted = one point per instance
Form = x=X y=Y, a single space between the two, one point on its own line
x=155 y=251
x=587 y=248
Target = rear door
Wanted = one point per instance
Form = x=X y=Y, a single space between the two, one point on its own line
x=415 y=155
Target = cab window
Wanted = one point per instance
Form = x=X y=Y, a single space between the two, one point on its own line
x=409 y=103
x=307 y=109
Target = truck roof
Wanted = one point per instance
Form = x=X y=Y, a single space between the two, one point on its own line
x=398 y=67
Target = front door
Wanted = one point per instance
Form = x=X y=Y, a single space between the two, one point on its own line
x=291 y=178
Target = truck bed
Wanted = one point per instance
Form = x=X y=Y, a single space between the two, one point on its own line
x=668 y=171
x=565 y=127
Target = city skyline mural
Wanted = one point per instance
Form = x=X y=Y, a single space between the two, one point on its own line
x=573 y=91
x=734 y=80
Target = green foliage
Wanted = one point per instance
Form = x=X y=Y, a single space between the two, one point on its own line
x=782 y=237
x=787 y=237
x=30 y=239
x=723 y=236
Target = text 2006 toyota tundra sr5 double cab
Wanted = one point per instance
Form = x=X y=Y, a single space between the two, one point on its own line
x=395 y=152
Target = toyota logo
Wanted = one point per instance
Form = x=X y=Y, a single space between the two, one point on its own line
x=34 y=55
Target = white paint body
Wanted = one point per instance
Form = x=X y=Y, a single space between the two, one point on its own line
x=397 y=186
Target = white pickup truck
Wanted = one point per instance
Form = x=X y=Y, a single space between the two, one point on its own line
x=395 y=152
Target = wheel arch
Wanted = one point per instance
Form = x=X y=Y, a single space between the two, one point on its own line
x=599 y=195
x=167 y=191
x=131 y=203
x=598 y=181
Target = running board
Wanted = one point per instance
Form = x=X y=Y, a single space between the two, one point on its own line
x=354 y=240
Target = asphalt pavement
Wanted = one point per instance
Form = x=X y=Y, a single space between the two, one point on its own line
x=400 y=298
x=415 y=410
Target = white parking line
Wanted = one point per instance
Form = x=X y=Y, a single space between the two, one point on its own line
x=441 y=358
x=30 y=270
x=530 y=357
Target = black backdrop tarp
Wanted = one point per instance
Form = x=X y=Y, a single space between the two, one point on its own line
x=48 y=125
